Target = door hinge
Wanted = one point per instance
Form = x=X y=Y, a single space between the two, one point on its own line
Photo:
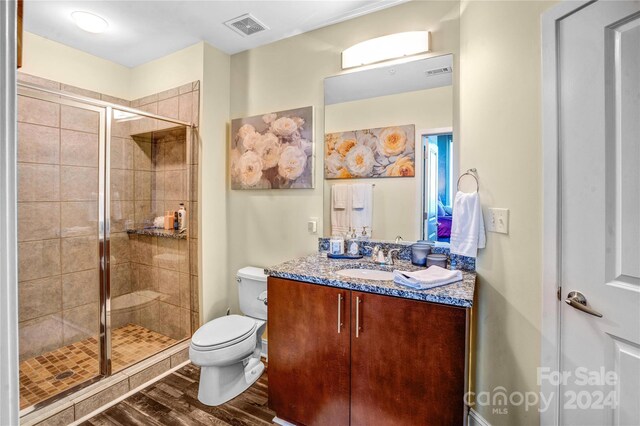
x=559 y=293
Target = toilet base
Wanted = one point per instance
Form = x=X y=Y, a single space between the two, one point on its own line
x=221 y=384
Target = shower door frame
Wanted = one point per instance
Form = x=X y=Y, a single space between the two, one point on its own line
x=105 y=109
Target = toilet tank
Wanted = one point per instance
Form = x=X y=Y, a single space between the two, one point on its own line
x=252 y=291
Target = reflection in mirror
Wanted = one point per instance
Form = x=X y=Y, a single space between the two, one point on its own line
x=388 y=132
x=438 y=187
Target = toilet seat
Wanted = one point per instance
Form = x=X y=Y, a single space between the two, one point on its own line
x=223 y=332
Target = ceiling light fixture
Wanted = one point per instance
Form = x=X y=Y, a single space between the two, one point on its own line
x=89 y=22
x=384 y=48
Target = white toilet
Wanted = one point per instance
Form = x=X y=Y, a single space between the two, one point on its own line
x=227 y=349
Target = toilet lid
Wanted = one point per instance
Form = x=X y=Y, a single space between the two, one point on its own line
x=223 y=330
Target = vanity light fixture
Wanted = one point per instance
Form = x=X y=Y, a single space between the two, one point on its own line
x=387 y=47
x=89 y=22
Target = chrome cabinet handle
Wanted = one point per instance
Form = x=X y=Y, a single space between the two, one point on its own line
x=358 y=302
x=575 y=299
x=339 y=312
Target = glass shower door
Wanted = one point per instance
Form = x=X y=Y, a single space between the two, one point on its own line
x=60 y=210
x=150 y=269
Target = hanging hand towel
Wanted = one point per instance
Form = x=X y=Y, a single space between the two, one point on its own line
x=467 y=225
x=359 y=195
x=340 y=211
x=433 y=276
x=340 y=196
x=361 y=217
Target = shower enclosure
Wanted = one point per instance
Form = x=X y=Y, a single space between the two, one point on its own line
x=99 y=288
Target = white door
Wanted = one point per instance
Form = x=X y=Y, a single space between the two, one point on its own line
x=599 y=128
x=431 y=196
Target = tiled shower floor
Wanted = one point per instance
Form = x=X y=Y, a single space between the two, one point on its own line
x=130 y=343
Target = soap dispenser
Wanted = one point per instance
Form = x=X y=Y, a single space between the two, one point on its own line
x=353 y=244
x=364 y=236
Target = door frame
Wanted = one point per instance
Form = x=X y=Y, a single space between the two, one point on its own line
x=551 y=163
x=420 y=168
x=9 y=383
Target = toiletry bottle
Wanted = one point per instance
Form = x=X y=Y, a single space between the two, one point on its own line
x=364 y=236
x=182 y=217
x=176 y=223
x=168 y=220
x=353 y=245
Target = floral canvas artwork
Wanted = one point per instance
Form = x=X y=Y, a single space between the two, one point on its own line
x=272 y=151
x=370 y=153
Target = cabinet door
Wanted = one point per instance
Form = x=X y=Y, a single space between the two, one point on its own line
x=407 y=362
x=308 y=352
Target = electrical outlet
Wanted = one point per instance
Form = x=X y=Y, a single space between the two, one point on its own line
x=312 y=225
x=498 y=221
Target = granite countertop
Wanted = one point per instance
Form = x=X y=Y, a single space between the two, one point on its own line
x=318 y=269
x=157 y=232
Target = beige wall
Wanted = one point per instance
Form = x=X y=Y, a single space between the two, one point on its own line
x=173 y=70
x=426 y=109
x=500 y=135
x=268 y=227
x=54 y=61
x=217 y=286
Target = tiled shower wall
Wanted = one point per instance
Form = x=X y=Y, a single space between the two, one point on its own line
x=58 y=247
x=166 y=171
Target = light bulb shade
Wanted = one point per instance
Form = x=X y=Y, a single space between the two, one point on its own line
x=90 y=22
x=384 y=48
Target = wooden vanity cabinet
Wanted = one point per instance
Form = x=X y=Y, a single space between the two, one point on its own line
x=407 y=361
x=395 y=361
x=309 y=357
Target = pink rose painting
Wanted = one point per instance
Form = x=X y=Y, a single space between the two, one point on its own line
x=370 y=153
x=272 y=151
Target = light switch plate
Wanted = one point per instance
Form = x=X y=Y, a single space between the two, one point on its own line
x=312 y=225
x=498 y=220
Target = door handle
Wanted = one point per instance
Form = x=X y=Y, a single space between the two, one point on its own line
x=575 y=299
x=339 y=312
x=358 y=302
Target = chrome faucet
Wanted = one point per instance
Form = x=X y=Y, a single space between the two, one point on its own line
x=398 y=239
x=377 y=256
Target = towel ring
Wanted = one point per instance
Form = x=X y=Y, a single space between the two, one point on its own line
x=472 y=173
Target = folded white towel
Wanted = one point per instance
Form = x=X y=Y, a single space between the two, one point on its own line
x=467 y=225
x=340 y=196
x=340 y=213
x=363 y=216
x=359 y=195
x=433 y=276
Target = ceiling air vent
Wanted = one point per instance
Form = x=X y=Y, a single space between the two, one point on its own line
x=437 y=71
x=246 y=25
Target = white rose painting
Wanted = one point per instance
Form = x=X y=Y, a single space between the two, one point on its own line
x=272 y=151
x=370 y=153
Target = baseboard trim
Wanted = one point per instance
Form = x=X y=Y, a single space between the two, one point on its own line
x=475 y=419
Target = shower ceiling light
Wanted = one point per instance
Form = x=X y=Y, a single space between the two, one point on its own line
x=90 y=22
x=384 y=48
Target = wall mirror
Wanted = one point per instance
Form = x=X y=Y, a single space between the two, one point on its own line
x=389 y=151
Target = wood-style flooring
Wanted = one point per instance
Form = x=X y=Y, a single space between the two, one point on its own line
x=174 y=401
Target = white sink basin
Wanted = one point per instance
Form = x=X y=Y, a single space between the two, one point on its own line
x=367 y=274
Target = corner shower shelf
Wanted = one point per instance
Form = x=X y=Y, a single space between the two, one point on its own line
x=165 y=233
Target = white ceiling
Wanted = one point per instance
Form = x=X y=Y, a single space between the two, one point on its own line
x=140 y=31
